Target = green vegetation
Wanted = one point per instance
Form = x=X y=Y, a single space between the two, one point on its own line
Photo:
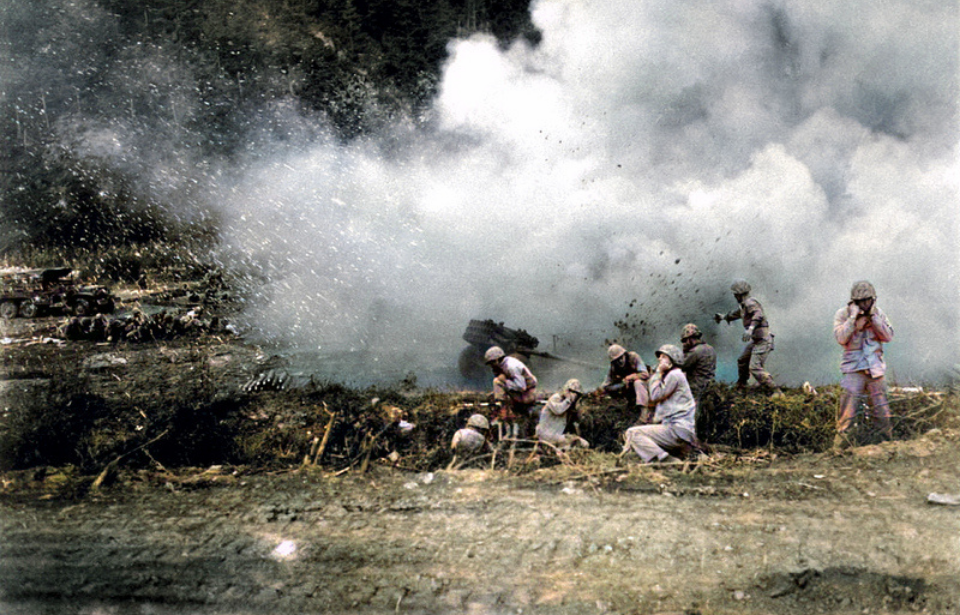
x=175 y=411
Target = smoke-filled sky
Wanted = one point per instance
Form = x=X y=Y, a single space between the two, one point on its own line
x=644 y=151
x=631 y=166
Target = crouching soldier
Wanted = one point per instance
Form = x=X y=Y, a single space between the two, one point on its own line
x=558 y=414
x=514 y=389
x=674 y=431
x=472 y=438
x=627 y=376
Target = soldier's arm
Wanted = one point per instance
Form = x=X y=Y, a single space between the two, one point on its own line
x=661 y=388
x=734 y=315
x=881 y=326
x=844 y=324
x=558 y=405
x=515 y=380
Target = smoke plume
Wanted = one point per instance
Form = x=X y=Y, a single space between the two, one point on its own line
x=625 y=170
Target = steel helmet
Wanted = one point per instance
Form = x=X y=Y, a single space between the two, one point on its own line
x=862 y=290
x=675 y=354
x=494 y=353
x=690 y=330
x=479 y=421
x=740 y=287
x=615 y=351
x=573 y=386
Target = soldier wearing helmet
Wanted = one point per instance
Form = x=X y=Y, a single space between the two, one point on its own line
x=756 y=335
x=861 y=328
x=558 y=414
x=673 y=431
x=514 y=388
x=473 y=437
x=699 y=360
x=627 y=375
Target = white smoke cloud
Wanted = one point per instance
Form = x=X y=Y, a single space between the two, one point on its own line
x=644 y=151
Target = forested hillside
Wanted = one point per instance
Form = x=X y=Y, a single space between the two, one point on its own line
x=93 y=90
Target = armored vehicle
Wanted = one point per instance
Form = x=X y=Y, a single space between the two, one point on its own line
x=34 y=292
x=482 y=334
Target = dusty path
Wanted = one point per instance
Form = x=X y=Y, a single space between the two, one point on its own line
x=819 y=534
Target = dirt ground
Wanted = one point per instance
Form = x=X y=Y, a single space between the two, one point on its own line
x=847 y=533
x=811 y=534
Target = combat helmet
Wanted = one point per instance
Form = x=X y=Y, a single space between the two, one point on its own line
x=690 y=330
x=740 y=287
x=675 y=354
x=479 y=421
x=573 y=386
x=862 y=290
x=615 y=351
x=494 y=353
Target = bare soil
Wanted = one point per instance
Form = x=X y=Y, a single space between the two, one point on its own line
x=745 y=532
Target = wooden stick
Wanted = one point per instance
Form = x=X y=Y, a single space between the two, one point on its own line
x=98 y=482
x=326 y=436
x=366 y=456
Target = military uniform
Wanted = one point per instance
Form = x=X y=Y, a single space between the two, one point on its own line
x=862 y=335
x=757 y=335
x=514 y=386
x=627 y=373
x=467 y=441
x=699 y=361
x=674 y=430
x=559 y=411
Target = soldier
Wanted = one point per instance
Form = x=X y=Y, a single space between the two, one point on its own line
x=99 y=328
x=699 y=360
x=759 y=340
x=862 y=328
x=514 y=388
x=627 y=376
x=559 y=412
x=674 y=431
x=72 y=329
x=471 y=438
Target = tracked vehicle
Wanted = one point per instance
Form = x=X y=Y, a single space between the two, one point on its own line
x=482 y=334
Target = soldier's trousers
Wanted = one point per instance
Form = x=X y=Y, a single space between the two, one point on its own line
x=857 y=385
x=655 y=442
x=751 y=362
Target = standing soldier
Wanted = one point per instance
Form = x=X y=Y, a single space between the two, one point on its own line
x=699 y=360
x=514 y=387
x=627 y=376
x=862 y=328
x=756 y=334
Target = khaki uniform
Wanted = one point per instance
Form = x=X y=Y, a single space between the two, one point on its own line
x=467 y=441
x=674 y=429
x=619 y=370
x=515 y=387
x=700 y=368
x=862 y=366
x=754 y=356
